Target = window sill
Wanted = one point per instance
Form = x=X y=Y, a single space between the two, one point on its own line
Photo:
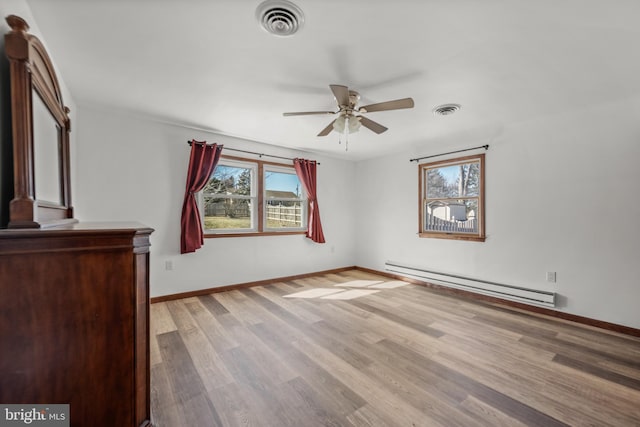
x=252 y=234
x=452 y=236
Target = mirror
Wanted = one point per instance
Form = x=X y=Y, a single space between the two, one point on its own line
x=41 y=126
x=46 y=154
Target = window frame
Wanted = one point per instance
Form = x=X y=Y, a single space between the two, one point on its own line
x=260 y=228
x=480 y=236
x=270 y=167
x=252 y=197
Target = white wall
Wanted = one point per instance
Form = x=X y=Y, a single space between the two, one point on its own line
x=551 y=186
x=135 y=169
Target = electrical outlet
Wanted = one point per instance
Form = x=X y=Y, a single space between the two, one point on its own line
x=168 y=265
x=551 y=276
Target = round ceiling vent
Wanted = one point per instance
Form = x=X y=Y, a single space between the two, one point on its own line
x=446 y=109
x=280 y=17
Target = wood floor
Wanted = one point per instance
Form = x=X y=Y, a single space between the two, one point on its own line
x=390 y=356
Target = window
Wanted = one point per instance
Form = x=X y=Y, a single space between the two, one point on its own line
x=284 y=199
x=230 y=197
x=452 y=199
x=252 y=197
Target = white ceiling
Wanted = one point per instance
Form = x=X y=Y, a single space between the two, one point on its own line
x=208 y=64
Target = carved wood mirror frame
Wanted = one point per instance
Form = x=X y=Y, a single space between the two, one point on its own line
x=33 y=75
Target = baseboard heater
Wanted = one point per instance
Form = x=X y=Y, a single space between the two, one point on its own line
x=485 y=287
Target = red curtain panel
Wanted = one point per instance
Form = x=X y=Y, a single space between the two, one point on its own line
x=202 y=162
x=306 y=171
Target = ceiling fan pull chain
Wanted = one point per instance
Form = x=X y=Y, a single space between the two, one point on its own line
x=346 y=139
x=346 y=133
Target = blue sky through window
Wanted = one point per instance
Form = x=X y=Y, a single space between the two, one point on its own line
x=451 y=174
x=283 y=182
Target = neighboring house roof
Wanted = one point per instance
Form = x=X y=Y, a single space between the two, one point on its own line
x=275 y=194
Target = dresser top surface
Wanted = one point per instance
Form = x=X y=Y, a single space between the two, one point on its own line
x=78 y=229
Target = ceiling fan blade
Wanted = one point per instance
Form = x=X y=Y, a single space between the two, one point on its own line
x=368 y=123
x=326 y=131
x=307 y=113
x=341 y=93
x=389 y=105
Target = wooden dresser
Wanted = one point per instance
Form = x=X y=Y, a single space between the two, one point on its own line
x=74 y=321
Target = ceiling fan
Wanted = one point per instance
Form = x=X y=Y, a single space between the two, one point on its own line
x=350 y=116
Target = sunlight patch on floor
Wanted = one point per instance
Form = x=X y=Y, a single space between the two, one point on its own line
x=389 y=285
x=314 y=293
x=350 y=294
x=359 y=283
x=365 y=287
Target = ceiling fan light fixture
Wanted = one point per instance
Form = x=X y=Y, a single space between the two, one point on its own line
x=279 y=17
x=354 y=124
x=347 y=124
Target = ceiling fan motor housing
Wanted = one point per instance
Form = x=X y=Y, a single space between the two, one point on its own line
x=354 y=98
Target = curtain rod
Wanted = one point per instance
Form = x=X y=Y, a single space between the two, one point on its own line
x=253 y=152
x=486 y=147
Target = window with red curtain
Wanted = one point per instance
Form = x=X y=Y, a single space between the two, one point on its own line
x=248 y=197
x=202 y=162
x=306 y=171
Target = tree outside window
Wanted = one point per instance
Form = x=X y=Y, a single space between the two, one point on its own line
x=229 y=198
